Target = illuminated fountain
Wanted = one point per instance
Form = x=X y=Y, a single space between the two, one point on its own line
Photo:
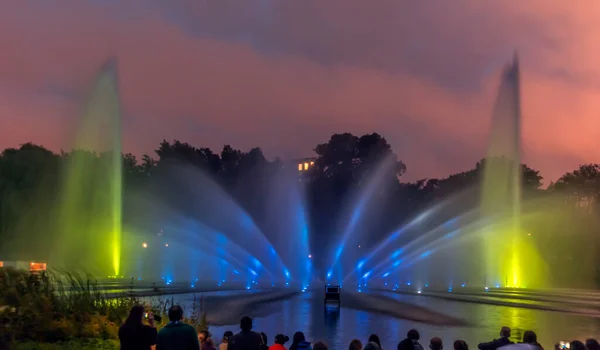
x=464 y=242
x=211 y=237
x=506 y=249
x=194 y=230
x=90 y=203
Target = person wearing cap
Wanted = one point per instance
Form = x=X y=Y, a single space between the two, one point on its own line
x=280 y=339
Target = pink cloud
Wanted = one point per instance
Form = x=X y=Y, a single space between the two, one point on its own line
x=286 y=86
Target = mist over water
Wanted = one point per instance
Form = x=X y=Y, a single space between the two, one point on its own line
x=90 y=203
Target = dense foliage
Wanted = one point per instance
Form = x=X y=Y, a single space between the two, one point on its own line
x=69 y=310
x=30 y=179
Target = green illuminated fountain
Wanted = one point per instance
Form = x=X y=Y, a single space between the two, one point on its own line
x=90 y=220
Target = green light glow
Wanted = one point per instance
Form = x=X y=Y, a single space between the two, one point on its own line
x=91 y=199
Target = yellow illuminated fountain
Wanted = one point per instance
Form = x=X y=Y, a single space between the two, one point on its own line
x=90 y=222
x=511 y=259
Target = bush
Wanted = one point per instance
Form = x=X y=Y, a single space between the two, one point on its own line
x=80 y=344
x=58 y=308
x=55 y=308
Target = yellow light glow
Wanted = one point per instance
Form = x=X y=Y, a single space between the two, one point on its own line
x=144 y=245
x=305 y=166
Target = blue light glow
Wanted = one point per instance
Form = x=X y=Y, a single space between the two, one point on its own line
x=426 y=285
x=463 y=285
x=360 y=264
x=385 y=274
x=397 y=253
x=425 y=254
x=367 y=274
x=397 y=263
x=449 y=289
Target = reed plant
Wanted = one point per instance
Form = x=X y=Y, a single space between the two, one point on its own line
x=64 y=307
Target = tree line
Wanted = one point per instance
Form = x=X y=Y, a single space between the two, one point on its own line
x=31 y=175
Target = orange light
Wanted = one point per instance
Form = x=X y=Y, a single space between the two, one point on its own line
x=37 y=267
x=1 y=263
x=300 y=167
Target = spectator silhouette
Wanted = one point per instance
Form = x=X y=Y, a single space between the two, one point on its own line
x=299 y=342
x=280 y=339
x=134 y=334
x=461 y=345
x=436 y=344
x=411 y=342
x=177 y=335
x=246 y=339
x=320 y=346
x=375 y=339
x=577 y=345
x=264 y=341
x=529 y=337
x=592 y=344
x=206 y=342
x=355 y=344
x=225 y=340
x=372 y=346
x=496 y=343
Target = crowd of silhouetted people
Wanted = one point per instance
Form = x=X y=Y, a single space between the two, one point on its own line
x=177 y=335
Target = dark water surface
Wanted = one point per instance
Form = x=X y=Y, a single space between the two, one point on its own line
x=337 y=328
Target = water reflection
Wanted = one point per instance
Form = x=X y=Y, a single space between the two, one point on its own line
x=338 y=327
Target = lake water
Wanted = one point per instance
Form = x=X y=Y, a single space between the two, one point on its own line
x=337 y=328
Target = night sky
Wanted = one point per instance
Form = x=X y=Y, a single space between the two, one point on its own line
x=285 y=75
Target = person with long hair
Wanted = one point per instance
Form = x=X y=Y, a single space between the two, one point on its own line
x=134 y=334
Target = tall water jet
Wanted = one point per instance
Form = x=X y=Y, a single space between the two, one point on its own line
x=505 y=248
x=90 y=223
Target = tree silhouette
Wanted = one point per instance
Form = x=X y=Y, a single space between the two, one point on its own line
x=31 y=177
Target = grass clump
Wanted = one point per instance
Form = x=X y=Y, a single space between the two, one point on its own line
x=64 y=311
